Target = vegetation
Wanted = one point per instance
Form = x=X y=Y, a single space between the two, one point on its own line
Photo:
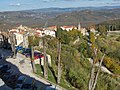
x=35 y=19
x=76 y=49
x=33 y=41
x=75 y=63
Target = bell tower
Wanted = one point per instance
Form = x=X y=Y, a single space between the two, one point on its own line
x=79 y=26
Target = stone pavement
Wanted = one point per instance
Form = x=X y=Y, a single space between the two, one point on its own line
x=26 y=69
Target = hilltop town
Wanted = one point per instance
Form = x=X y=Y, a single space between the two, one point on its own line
x=60 y=49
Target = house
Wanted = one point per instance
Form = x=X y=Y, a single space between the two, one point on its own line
x=25 y=43
x=93 y=30
x=1 y=40
x=83 y=31
x=21 y=35
x=41 y=60
x=19 y=38
x=49 y=32
x=48 y=60
x=68 y=28
x=23 y=28
x=38 y=32
x=54 y=28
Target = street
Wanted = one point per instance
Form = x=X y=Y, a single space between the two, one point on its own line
x=25 y=68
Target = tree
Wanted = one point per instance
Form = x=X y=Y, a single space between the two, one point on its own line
x=118 y=39
x=93 y=77
x=102 y=29
x=33 y=40
x=13 y=43
x=31 y=45
x=96 y=77
x=58 y=35
x=59 y=62
x=45 y=60
x=32 y=59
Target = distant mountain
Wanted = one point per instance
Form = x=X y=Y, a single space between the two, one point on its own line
x=46 y=10
x=59 y=16
x=86 y=17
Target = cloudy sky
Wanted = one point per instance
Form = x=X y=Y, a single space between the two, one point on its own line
x=14 y=5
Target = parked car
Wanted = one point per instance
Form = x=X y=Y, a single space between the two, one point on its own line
x=29 y=84
x=26 y=50
x=4 y=68
x=18 y=48
x=20 y=81
x=7 y=46
x=12 y=79
x=21 y=50
x=37 y=55
x=8 y=72
x=6 y=77
x=0 y=56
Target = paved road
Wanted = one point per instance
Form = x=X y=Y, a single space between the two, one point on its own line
x=25 y=68
x=103 y=68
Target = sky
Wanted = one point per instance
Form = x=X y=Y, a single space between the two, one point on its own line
x=16 y=5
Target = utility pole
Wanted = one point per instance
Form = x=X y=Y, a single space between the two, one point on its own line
x=59 y=62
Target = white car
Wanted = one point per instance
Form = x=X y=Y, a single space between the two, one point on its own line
x=1 y=82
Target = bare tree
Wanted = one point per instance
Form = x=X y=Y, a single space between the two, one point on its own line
x=93 y=77
x=45 y=60
x=96 y=77
x=13 y=43
x=32 y=59
x=59 y=62
x=59 y=36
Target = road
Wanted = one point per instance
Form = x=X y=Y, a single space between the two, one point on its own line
x=103 y=68
x=25 y=68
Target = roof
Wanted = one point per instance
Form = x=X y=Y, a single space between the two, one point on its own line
x=68 y=26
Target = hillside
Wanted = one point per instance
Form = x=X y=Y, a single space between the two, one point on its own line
x=37 y=18
x=86 y=17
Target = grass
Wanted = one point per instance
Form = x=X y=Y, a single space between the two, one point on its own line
x=39 y=70
x=51 y=78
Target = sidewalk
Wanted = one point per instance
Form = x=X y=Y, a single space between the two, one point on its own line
x=26 y=68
